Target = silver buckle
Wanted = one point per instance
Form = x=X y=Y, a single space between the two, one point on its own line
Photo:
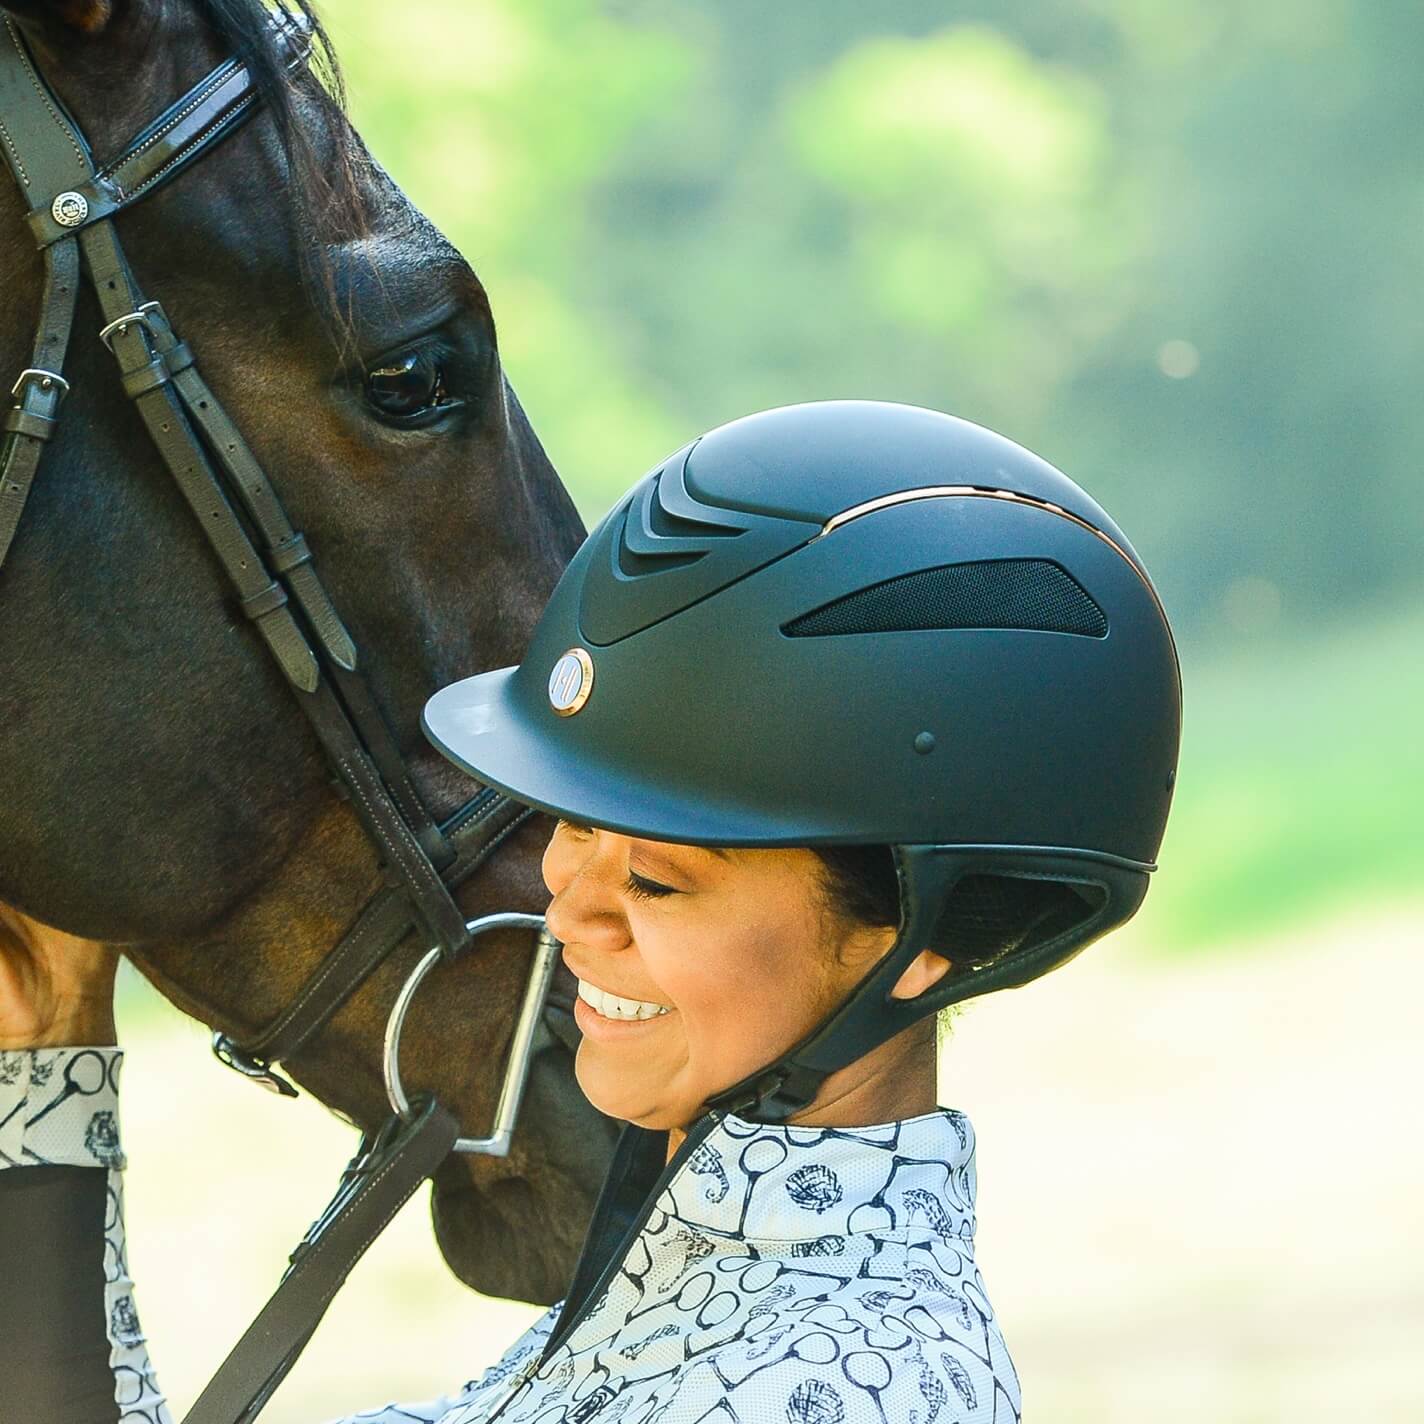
x=231 y=1056
x=546 y=955
x=45 y=378
x=141 y=317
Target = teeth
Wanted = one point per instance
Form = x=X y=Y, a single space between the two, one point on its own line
x=612 y=1007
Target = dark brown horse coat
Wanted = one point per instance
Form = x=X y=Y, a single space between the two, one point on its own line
x=159 y=789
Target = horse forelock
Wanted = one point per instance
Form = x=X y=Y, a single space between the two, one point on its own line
x=329 y=172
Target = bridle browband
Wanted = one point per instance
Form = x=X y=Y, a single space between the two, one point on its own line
x=72 y=204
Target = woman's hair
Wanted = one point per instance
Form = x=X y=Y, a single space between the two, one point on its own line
x=860 y=883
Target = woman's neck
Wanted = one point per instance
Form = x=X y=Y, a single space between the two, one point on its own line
x=899 y=1079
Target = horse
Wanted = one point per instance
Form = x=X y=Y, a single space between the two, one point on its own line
x=160 y=790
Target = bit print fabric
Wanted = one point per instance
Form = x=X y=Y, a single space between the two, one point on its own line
x=785 y=1275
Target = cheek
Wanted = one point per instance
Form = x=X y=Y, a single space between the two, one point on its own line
x=738 y=992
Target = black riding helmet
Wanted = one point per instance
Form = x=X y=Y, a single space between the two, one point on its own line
x=855 y=622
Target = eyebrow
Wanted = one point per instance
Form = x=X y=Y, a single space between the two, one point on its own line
x=721 y=852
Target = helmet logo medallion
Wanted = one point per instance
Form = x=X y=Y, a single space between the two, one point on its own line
x=570 y=682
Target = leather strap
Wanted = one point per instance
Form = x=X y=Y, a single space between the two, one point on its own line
x=369 y=943
x=39 y=147
x=162 y=412
x=39 y=390
x=42 y=148
x=208 y=113
x=377 y=1183
x=291 y=558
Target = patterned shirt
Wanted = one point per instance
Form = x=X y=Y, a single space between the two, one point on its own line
x=768 y=1275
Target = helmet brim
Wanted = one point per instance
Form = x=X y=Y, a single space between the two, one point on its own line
x=478 y=724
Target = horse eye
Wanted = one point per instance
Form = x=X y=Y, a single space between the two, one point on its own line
x=407 y=386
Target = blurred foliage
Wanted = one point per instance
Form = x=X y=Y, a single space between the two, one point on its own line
x=1172 y=248
x=1300 y=787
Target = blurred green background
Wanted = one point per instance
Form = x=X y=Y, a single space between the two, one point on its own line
x=1175 y=250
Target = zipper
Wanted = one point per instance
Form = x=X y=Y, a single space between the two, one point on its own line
x=523 y=1375
x=696 y=1136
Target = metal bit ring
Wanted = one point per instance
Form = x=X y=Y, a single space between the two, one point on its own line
x=541 y=972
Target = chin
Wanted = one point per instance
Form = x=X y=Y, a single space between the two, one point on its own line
x=615 y=1098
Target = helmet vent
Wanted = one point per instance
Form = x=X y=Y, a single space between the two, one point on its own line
x=662 y=550
x=1035 y=595
x=632 y=565
x=988 y=916
x=656 y=539
x=667 y=523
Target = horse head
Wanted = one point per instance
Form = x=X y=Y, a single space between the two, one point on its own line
x=160 y=788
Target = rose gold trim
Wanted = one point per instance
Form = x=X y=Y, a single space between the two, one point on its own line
x=886 y=500
x=985 y=492
x=961 y=492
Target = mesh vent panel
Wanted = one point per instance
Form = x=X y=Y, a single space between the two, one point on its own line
x=986 y=916
x=1033 y=594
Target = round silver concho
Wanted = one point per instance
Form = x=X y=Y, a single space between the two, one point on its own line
x=570 y=682
x=69 y=209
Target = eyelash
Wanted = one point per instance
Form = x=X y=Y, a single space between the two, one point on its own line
x=641 y=889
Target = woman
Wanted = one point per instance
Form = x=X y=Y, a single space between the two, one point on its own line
x=847 y=712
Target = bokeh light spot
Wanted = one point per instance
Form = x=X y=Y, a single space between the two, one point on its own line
x=1178 y=359
x=1251 y=604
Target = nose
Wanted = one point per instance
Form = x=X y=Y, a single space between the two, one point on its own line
x=585 y=908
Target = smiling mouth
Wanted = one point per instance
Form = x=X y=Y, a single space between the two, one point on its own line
x=613 y=1006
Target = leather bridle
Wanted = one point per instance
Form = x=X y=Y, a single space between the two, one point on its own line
x=72 y=204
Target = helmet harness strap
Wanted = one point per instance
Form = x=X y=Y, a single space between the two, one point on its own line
x=870 y=1016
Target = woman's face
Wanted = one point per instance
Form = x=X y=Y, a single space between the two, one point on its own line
x=695 y=966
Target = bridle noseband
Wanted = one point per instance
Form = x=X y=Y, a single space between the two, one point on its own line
x=72 y=204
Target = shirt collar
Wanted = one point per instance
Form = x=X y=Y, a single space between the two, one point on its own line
x=784 y=1182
